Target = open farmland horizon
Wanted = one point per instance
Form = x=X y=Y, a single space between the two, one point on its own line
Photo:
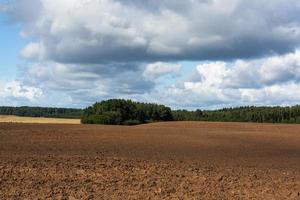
x=150 y=99
x=128 y=112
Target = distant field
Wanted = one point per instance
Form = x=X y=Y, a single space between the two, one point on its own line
x=40 y=120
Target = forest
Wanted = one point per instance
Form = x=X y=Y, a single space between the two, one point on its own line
x=289 y=114
x=118 y=111
x=26 y=111
x=127 y=112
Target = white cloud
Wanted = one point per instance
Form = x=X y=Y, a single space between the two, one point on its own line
x=251 y=73
x=213 y=74
x=93 y=49
x=285 y=94
x=17 y=90
x=110 y=30
x=281 y=68
x=33 y=51
x=93 y=81
x=158 y=69
x=270 y=81
x=214 y=84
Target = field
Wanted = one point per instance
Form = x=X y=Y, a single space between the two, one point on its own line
x=40 y=120
x=178 y=160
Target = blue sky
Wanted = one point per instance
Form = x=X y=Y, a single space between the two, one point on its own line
x=11 y=44
x=185 y=54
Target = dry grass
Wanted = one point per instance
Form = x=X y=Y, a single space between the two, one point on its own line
x=40 y=120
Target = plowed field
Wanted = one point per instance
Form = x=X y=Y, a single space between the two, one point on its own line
x=176 y=160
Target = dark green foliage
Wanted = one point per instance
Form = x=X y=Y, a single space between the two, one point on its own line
x=184 y=115
x=126 y=112
x=41 y=112
x=243 y=114
x=131 y=122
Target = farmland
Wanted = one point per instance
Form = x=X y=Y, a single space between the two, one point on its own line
x=43 y=120
x=170 y=160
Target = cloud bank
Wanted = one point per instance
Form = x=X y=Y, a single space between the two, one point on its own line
x=97 y=31
x=90 y=50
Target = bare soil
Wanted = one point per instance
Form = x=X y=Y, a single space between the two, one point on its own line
x=178 y=160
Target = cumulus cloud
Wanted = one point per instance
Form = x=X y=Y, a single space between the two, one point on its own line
x=281 y=69
x=33 y=51
x=270 y=81
x=17 y=90
x=93 y=49
x=93 y=80
x=255 y=73
x=158 y=69
x=108 y=30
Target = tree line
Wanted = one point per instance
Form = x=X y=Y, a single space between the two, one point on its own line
x=289 y=114
x=118 y=111
x=127 y=112
x=26 y=111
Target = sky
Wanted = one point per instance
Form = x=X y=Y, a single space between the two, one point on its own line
x=190 y=54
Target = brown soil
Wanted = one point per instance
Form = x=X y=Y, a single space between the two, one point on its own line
x=180 y=160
